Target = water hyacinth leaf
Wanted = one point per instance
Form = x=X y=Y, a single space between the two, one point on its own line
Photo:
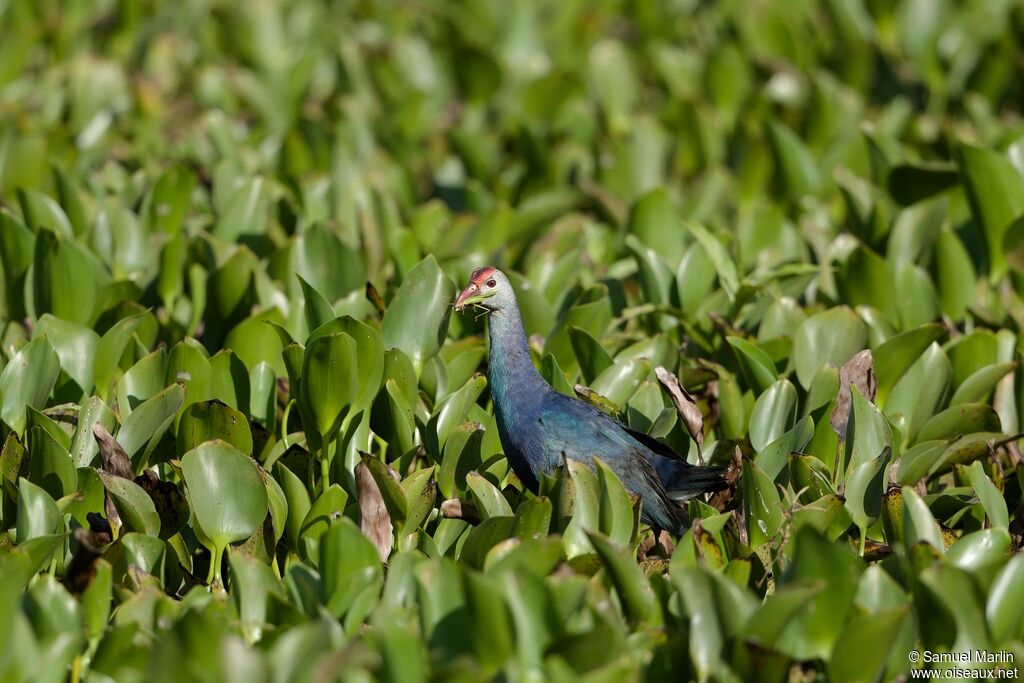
x=420 y=491
x=168 y=203
x=369 y=351
x=27 y=380
x=761 y=505
x=75 y=345
x=868 y=432
x=873 y=633
x=632 y=586
x=61 y=265
x=922 y=389
x=42 y=212
x=995 y=190
x=979 y=548
x=774 y=414
x=489 y=500
x=978 y=386
x=133 y=505
x=757 y=366
x=452 y=412
x=655 y=277
x=50 y=465
x=799 y=173
x=725 y=267
x=417 y=318
x=772 y=458
x=390 y=489
x=109 y=351
x=918 y=523
x=955 y=274
x=189 y=363
x=695 y=278
x=318 y=309
x=815 y=628
x=864 y=487
x=38 y=515
x=895 y=356
x=297 y=496
x=226 y=494
x=580 y=494
x=148 y=422
x=620 y=381
x=329 y=371
x=965 y=418
x=991 y=498
x=591 y=356
x=618 y=518
x=533 y=519
x=832 y=337
x=208 y=420
x=1004 y=620
x=91 y=412
x=348 y=564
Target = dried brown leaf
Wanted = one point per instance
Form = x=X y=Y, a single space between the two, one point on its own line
x=859 y=371
x=115 y=460
x=685 y=405
x=375 y=521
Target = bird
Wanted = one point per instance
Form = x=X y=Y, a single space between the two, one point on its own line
x=540 y=428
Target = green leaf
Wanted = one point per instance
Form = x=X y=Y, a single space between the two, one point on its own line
x=208 y=420
x=489 y=500
x=618 y=514
x=832 y=337
x=868 y=433
x=774 y=414
x=75 y=346
x=895 y=356
x=964 y=418
x=991 y=498
x=110 y=349
x=38 y=515
x=27 y=381
x=348 y=565
x=978 y=387
x=416 y=321
x=61 y=265
x=329 y=372
x=318 y=309
x=728 y=275
x=757 y=365
x=995 y=190
x=133 y=504
x=592 y=357
x=761 y=505
x=620 y=380
x=144 y=427
x=225 y=491
x=861 y=650
x=1002 y=609
x=632 y=586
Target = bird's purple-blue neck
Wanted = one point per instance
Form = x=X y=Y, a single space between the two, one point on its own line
x=515 y=383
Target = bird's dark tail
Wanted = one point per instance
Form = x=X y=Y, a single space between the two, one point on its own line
x=684 y=481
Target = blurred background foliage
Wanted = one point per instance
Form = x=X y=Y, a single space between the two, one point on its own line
x=246 y=440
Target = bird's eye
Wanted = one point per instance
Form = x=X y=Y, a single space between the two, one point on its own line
x=491 y=283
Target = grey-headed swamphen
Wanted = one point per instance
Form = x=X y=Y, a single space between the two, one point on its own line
x=540 y=427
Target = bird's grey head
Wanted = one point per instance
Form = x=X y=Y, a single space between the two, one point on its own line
x=488 y=289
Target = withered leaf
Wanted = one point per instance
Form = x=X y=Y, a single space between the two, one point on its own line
x=859 y=371
x=685 y=405
x=375 y=522
x=169 y=501
x=115 y=460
